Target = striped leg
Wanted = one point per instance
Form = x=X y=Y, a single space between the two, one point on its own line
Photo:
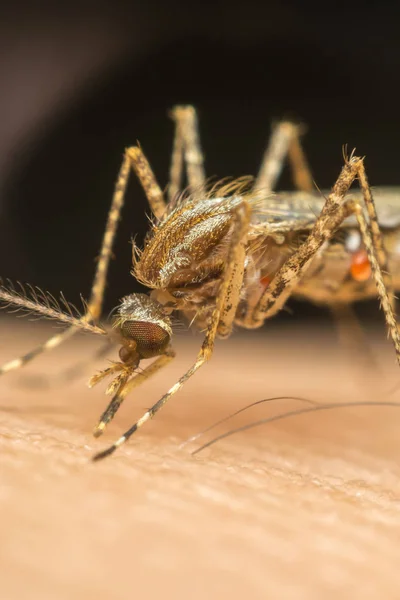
x=285 y=140
x=186 y=149
x=377 y=239
x=348 y=326
x=144 y=172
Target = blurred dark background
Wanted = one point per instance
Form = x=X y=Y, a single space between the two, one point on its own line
x=81 y=81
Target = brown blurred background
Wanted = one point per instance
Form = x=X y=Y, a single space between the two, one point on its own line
x=82 y=80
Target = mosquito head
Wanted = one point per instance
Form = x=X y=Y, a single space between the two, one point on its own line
x=143 y=327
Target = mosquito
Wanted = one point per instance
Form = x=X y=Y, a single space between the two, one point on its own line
x=225 y=255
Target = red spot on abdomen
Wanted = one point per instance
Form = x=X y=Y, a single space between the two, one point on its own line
x=265 y=281
x=360 y=268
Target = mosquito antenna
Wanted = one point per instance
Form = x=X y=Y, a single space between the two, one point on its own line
x=43 y=304
x=293 y=413
x=194 y=437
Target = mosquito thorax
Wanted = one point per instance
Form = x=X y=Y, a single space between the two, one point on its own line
x=143 y=327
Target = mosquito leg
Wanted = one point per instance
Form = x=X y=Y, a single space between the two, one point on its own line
x=332 y=215
x=379 y=276
x=176 y=167
x=187 y=148
x=95 y=304
x=231 y=294
x=301 y=172
x=349 y=328
x=377 y=238
x=144 y=172
x=99 y=282
x=284 y=140
x=220 y=319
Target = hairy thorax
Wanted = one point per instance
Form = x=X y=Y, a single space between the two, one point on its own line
x=184 y=254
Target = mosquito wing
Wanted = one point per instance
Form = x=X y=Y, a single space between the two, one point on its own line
x=291 y=211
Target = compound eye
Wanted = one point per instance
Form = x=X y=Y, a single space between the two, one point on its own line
x=151 y=339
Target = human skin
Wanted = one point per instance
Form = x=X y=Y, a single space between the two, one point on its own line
x=306 y=507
